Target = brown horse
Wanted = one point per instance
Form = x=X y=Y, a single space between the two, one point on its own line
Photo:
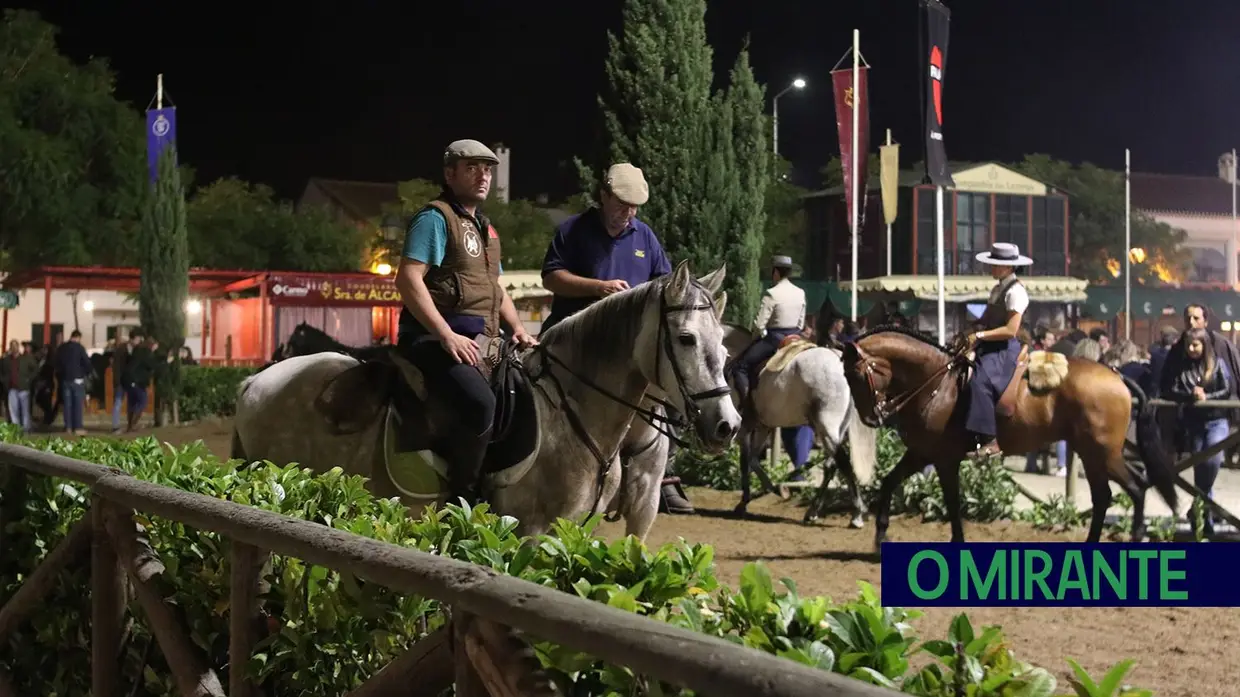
x=900 y=374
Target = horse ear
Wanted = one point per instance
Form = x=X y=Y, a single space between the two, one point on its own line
x=680 y=280
x=713 y=281
x=721 y=302
x=411 y=375
x=852 y=352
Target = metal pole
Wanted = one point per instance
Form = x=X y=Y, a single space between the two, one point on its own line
x=159 y=91
x=775 y=122
x=889 y=224
x=938 y=250
x=856 y=84
x=1127 y=246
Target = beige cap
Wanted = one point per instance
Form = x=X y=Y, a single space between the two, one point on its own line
x=626 y=183
x=468 y=150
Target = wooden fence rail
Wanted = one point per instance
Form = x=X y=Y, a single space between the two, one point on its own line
x=482 y=651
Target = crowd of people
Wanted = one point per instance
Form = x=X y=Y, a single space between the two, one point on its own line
x=42 y=382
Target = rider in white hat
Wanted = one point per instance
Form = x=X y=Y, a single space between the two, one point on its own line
x=996 y=345
x=781 y=314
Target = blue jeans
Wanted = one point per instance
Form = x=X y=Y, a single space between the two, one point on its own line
x=73 y=397
x=1061 y=456
x=1201 y=436
x=19 y=408
x=118 y=396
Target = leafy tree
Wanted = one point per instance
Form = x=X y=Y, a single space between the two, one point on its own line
x=786 y=228
x=237 y=225
x=1096 y=209
x=660 y=116
x=164 y=286
x=833 y=172
x=752 y=174
x=71 y=154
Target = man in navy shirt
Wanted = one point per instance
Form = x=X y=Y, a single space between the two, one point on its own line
x=603 y=251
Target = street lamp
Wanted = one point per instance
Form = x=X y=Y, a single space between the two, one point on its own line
x=797 y=84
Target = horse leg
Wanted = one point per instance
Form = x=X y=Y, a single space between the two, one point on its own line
x=1096 y=473
x=819 y=501
x=1136 y=492
x=949 y=477
x=905 y=467
x=746 y=437
x=843 y=462
x=643 y=486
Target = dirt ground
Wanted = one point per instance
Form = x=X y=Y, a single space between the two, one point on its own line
x=1180 y=652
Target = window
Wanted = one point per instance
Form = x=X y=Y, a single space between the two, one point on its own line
x=972 y=231
x=1048 y=251
x=1209 y=266
x=1012 y=220
x=926 y=226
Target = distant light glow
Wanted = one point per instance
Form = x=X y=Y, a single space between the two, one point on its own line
x=382 y=268
x=89 y=306
x=193 y=307
x=799 y=83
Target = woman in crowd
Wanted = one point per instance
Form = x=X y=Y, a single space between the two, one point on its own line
x=1203 y=377
x=1129 y=359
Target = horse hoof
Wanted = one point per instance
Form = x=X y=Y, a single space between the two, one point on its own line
x=856 y=523
x=809 y=520
x=741 y=509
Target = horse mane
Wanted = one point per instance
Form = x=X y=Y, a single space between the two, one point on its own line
x=919 y=335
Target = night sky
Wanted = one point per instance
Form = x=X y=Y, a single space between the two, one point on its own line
x=372 y=91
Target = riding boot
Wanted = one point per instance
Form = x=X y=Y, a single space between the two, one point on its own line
x=673 y=497
x=467 y=456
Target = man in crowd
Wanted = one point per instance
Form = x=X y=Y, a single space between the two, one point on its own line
x=18 y=370
x=1195 y=317
x=72 y=370
x=606 y=250
x=449 y=282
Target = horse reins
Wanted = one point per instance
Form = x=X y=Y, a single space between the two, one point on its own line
x=690 y=399
x=881 y=403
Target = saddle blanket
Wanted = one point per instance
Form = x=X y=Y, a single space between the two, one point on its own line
x=788 y=350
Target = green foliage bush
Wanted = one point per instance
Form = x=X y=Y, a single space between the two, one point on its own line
x=330 y=631
x=210 y=390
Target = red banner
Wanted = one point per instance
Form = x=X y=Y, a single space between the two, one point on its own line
x=841 y=80
x=322 y=291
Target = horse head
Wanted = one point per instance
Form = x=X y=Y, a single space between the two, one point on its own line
x=689 y=346
x=887 y=367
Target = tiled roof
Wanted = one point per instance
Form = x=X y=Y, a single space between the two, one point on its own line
x=1179 y=193
x=362 y=200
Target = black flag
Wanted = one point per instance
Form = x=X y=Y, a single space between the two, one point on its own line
x=938 y=18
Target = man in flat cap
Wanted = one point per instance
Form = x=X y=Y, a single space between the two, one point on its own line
x=449 y=281
x=782 y=313
x=606 y=250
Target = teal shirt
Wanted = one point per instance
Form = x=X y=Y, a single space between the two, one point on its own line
x=427 y=240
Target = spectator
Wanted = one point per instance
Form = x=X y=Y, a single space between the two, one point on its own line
x=1089 y=349
x=187 y=354
x=18 y=371
x=137 y=378
x=1043 y=338
x=120 y=356
x=1067 y=345
x=72 y=369
x=1198 y=317
x=1129 y=359
x=1158 y=356
x=1100 y=335
x=1203 y=377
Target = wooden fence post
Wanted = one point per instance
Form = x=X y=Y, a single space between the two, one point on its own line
x=107 y=591
x=245 y=579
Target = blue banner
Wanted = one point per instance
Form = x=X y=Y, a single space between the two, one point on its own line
x=161 y=132
x=1059 y=574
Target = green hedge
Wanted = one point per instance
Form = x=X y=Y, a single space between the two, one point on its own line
x=209 y=391
x=330 y=632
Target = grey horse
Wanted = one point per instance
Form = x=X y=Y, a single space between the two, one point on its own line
x=809 y=390
x=663 y=339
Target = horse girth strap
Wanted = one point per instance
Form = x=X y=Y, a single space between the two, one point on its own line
x=505 y=377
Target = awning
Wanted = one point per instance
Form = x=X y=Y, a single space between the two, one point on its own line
x=1105 y=302
x=524 y=284
x=962 y=289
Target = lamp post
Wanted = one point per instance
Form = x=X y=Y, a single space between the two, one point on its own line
x=797 y=84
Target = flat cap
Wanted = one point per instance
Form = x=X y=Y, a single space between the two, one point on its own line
x=626 y=183
x=781 y=261
x=468 y=150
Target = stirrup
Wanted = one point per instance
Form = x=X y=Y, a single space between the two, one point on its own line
x=986 y=451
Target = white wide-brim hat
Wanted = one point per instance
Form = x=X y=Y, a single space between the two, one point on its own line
x=1004 y=254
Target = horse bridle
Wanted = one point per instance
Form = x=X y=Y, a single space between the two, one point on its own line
x=882 y=410
x=691 y=399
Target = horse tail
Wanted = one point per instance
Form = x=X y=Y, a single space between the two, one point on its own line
x=1159 y=464
x=862 y=446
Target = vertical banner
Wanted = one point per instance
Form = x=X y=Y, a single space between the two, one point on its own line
x=841 y=81
x=161 y=132
x=938 y=19
x=889 y=177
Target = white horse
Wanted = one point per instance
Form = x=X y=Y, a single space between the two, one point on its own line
x=809 y=389
x=585 y=380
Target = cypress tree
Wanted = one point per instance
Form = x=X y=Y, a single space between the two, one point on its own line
x=164 y=286
x=659 y=115
x=751 y=174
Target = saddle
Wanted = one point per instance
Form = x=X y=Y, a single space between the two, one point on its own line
x=790 y=347
x=386 y=387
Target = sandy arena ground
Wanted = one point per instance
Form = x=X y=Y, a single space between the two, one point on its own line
x=1180 y=652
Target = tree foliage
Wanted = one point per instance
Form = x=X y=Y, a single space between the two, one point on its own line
x=1096 y=210
x=234 y=224
x=72 y=158
x=786 y=228
x=164 y=287
x=706 y=156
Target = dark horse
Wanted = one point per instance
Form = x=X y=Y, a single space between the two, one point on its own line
x=307 y=339
x=900 y=374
